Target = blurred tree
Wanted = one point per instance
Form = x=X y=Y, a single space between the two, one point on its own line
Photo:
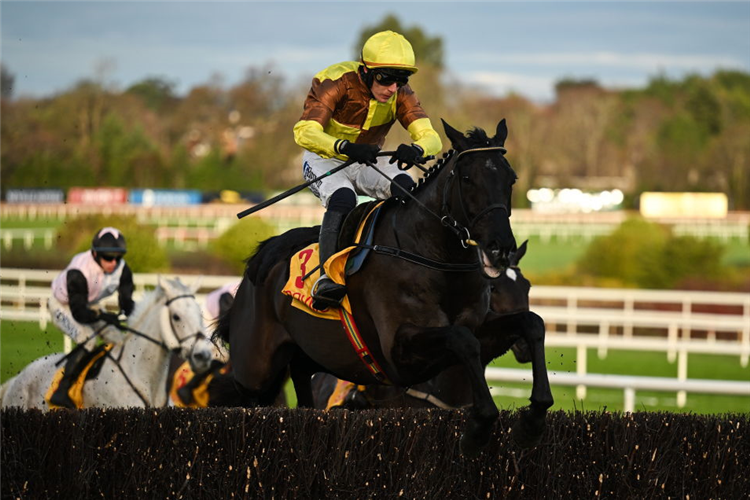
x=239 y=241
x=7 y=80
x=157 y=93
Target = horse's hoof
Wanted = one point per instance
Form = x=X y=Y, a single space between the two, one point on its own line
x=527 y=435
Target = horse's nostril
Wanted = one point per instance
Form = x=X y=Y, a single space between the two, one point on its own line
x=202 y=356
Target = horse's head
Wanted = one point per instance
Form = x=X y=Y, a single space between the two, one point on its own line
x=182 y=327
x=477 y=195
x=510 y=290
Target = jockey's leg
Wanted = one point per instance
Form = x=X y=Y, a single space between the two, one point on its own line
x=74 y=365
x=327 y=293
x=83 y=335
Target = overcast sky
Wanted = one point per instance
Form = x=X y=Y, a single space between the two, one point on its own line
x=503 y=46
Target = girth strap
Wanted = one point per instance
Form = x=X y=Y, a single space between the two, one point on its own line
x=352 y=333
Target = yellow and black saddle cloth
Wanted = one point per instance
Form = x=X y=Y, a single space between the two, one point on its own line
x=200 y=395
x=340 y=265
x=341 y=392
x=90 y=371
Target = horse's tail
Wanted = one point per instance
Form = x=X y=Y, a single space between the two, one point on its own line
x=268 y=253
x=221 y=332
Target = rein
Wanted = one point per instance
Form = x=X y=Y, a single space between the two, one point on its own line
x=447 y=220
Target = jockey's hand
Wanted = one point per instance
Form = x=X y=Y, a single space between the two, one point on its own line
x=362 y=153
x=109 y=318
x=407 y=156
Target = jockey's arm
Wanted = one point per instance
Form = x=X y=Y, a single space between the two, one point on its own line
x=413 y=118
x=125 y=291
x=78 y=297
x=425 y=136
x=309 y=131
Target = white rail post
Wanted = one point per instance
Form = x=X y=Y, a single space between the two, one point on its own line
x=672 y=341
x=629 y=305
x=686 y=311
x=603 y=336
x=745 y=334
x=682 y=370
x=581 y=370
x=629 y=400
x=572 y=306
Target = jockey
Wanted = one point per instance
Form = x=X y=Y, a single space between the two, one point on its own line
x=90 y=277
x=348 y=112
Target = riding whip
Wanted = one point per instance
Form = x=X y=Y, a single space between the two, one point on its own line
x=299 y=188
x=286 y=194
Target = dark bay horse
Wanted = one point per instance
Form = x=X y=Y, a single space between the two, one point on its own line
x=416 y=302
x=509 y=325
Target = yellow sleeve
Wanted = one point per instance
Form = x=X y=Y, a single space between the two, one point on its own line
x=425 y=136
x=310 y=135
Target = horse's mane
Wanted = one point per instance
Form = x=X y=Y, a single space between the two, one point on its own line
x=477 y=138
x=150 y=298
x=277 y=248
x=144 y=305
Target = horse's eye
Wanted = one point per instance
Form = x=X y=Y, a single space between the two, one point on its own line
x=176 y=317
x=465 y=178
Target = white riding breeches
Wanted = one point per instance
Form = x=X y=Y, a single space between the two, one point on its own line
x=358 y=177
x=80 y=333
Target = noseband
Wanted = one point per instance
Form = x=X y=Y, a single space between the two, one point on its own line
x=448 y=220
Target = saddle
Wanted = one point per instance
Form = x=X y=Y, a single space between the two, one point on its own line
x=89 y=372
x=358 y=227
x=360 y=222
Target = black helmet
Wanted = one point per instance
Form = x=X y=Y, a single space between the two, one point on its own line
x=109 y=240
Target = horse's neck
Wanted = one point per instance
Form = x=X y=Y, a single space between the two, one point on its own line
x=418 y=227
x=146 y=363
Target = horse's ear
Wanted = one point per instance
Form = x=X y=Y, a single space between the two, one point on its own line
x=520 y=252
x=196 y=284
x=501 y=133
x=458 y=140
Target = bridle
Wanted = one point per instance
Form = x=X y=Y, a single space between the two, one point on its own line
x=179 y=341
x=447 y=219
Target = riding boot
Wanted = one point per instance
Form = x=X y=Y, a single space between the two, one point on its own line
x=74 y=365
x=325 y=292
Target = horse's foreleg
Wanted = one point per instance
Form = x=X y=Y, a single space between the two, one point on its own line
x=302 y=380
x=461 y=343
x=527 y=431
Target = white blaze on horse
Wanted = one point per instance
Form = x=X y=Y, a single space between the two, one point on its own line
x=166 y=320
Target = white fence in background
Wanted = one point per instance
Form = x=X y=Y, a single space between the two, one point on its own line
x=193 y=226
x=677 y=323
x=629 y=384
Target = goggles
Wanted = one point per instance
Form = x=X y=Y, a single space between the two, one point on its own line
x=109 y=257
x=387 y=77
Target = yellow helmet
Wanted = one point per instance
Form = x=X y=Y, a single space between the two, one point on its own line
x=388 y=49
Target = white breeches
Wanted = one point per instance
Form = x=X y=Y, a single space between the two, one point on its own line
x=80 y=333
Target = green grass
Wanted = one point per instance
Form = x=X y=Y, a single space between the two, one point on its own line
x=22 y=342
